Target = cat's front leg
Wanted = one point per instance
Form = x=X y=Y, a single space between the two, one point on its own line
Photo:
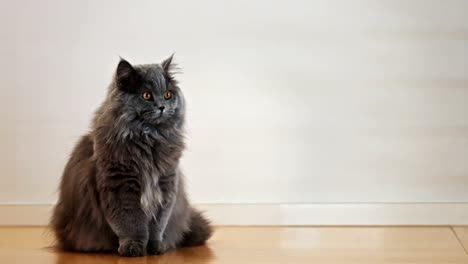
x=157 y=244
x=120 y=199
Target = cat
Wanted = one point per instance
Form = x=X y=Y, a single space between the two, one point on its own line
x=122 y=189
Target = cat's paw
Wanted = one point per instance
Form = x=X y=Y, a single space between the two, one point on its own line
x=156 y=247
x=132 y=248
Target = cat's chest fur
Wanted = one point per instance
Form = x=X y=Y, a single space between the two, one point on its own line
x=164 y=158
x=151 y=195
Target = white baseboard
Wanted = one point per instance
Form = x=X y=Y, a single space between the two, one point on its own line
x=289 y=214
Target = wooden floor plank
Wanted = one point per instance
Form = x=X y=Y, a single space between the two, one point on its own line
x=462 y=234
x=234 y=245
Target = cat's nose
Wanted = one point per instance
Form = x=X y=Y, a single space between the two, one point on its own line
x=161 y=108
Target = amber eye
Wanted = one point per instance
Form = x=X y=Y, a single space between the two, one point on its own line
x=167 y=95
x=147 y=96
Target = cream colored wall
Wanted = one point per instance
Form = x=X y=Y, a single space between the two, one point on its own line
x=289 y=101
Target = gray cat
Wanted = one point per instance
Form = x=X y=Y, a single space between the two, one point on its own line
x=122 y=189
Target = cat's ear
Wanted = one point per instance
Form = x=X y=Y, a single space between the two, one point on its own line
x=127 y=76
x=169 y=68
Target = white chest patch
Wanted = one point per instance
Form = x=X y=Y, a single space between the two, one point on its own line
x=151 y=196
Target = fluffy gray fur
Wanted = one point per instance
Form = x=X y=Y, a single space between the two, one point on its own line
x=122 y=189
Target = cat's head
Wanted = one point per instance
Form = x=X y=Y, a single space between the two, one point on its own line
x=148 y=94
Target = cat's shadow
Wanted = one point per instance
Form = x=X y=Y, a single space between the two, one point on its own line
x=195 y=255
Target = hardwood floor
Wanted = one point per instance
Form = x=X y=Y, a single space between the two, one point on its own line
x=461 y=233
x=239 y=245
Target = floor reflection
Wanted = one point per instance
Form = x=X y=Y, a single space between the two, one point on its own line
x=193 y=255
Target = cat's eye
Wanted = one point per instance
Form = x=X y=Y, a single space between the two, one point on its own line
x=167 y=95
x=147 y=96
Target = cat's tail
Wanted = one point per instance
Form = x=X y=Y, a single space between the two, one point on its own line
x=200 y=230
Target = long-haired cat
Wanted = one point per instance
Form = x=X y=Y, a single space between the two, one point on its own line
x=122 y=189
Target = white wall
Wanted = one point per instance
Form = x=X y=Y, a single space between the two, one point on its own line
x=289 y=101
